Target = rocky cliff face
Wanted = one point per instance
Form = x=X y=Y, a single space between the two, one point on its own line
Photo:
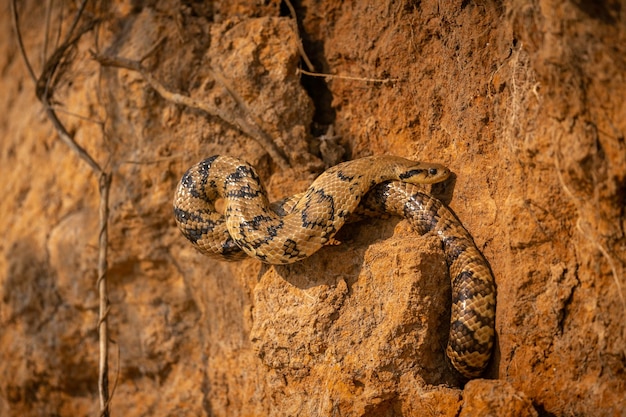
x=524 y=101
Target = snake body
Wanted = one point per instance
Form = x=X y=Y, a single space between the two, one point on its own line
x=295 y=228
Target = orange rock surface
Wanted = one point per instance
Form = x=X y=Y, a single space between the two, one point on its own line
x=524 y=101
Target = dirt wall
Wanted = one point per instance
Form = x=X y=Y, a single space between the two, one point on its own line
x=524 y=101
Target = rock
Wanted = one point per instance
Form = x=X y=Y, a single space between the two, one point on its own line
x=487 y=398
x=530 y=119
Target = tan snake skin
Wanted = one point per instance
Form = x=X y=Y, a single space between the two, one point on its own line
x=295 y=228
x=472 y=321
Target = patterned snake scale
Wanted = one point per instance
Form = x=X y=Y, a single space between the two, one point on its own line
x=296 y=227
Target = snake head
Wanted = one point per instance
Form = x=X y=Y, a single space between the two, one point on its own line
x=425 y=173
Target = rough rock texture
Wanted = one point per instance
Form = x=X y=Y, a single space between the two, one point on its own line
x=523 y=100
x=482 y=397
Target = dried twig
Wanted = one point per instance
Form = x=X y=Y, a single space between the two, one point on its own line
x=67 y=138
x=46 y=31
x=52 y=64
x=20 y=43
x=77 y=17
x=303 y=54
x=43 y=93
x=104 y=185
x=252 y=129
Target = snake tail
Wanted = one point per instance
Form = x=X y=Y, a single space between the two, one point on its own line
x=472 y=319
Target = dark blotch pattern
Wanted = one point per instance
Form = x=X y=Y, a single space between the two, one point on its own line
x=411 y=173
x=314 y=199
x=323 y=210
x=290 y=248
x=454 y=246
x=230 y=250
x=245 y=191
x=344 y=177
x=242 y=171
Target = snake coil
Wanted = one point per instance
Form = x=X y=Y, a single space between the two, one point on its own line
x=296 y=227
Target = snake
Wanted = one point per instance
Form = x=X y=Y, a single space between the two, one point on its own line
x=292 y=229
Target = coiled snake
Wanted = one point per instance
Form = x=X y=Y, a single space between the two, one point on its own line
x=294 y=228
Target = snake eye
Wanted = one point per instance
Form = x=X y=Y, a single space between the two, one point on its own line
x=433 y=171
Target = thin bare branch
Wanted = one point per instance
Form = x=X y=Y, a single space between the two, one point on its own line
x=44 y=92
x=104 y=185
x=250 y=128
x=77 y=17
x=59 y=109
x=43 y=81
x=115 y=382
x=20 y=43
x=303 y=54
x=46 y=31
x=67 y=138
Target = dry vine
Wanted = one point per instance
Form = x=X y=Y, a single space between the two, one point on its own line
x=44 y=90
x=249 y=127
x=311 y=68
